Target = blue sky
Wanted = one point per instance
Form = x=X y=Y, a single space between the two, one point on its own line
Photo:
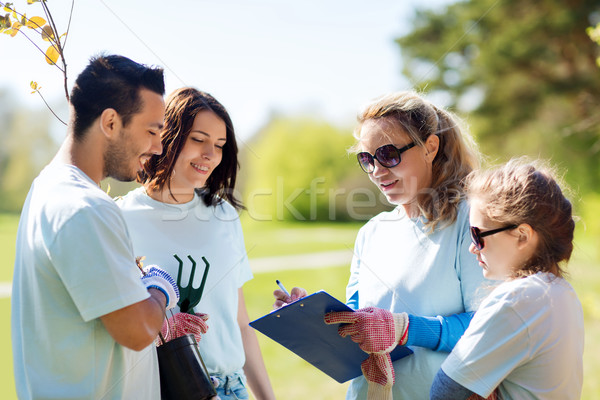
x=256 y=56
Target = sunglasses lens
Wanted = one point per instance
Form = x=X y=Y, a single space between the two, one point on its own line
x=476 y=238
x=366 y=162
x=388 y=156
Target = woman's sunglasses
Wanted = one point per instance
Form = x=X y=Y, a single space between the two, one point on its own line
x=388 y=156
x=477 y=236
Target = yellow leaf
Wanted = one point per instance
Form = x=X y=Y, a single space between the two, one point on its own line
x=7 y=7
x=35 y=22
x=47 y=33
x=32 y=1
x=52 y=55
x=33 y=85
x=15 y=28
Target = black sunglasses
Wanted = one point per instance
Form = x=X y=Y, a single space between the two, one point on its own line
x=388 y=156
x=477 y=236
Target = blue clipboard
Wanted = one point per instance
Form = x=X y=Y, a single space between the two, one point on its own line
x=299 y=327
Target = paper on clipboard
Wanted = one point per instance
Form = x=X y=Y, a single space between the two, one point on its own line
x=300 y=327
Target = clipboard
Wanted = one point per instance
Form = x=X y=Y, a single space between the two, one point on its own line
x=299 y=326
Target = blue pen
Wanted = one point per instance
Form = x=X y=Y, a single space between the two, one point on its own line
x=282 y=288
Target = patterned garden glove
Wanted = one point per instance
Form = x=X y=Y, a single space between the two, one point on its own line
x=155 y=277
x=377 y=332
x=181 y=324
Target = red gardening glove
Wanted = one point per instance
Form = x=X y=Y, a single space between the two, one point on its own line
x=380 y=375
x=374 y=329
x=493 y=396
x=377 y=332
x=181 y=324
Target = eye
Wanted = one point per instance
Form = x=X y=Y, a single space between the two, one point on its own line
x=197 y=140
x=152 y=133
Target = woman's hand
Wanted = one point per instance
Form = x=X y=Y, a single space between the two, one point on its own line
x=183 y=323
x=281 y=299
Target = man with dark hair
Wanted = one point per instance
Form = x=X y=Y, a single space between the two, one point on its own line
x=83 y=323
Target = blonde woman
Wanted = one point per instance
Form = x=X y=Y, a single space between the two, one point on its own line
x=415 y=259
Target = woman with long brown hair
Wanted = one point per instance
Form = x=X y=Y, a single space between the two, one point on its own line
x=187 y=207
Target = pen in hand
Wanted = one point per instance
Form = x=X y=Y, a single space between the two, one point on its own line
x=283 y=288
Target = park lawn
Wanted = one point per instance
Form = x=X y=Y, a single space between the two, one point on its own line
x=292 y=378
x=275 y=238
x=8 y=236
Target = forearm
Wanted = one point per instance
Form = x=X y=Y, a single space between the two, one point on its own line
x=254 y=368
x=136 y=326
x=445 y=388
x=437 y=333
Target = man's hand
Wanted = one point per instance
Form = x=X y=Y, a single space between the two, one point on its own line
x=155 y=277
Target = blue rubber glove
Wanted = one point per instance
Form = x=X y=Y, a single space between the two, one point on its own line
x=155 y=277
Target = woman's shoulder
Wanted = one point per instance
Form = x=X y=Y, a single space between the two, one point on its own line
x=536 y=286
x=224 y=209
x=130 y=199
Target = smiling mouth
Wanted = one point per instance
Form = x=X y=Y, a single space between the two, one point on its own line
x=200 y=168
x=387 y=185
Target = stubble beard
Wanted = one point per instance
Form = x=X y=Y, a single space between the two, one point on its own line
x=118 y=158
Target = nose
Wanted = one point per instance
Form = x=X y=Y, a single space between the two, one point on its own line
x=208 y=152
x=156 y=146
x=473 y=249
x=378 y=169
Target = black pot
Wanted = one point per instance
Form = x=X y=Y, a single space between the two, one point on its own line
x=182 y=372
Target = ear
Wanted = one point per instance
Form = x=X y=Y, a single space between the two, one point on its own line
x=110 y=122
x=527 y=237
x=432 y=145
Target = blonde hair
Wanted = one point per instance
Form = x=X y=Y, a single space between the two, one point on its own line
x=523 y=191
x=457 y=155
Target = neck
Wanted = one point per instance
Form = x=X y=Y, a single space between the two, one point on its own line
x=172 y=196
x=411 y=210
x=86 y=154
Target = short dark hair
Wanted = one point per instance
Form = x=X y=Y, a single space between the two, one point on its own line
x=181 y=109
x=111 y=81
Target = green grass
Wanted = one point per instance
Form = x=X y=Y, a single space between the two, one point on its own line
x=8 y=234
x=293 y=378
x=274 y=238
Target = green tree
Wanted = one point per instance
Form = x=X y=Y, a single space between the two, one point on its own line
x=299 y=169
x=26 y=147
x=525 y=70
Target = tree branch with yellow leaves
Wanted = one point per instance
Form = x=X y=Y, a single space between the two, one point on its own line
x=43 y=29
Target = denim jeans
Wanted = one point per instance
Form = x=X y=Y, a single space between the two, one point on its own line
x=232 y=387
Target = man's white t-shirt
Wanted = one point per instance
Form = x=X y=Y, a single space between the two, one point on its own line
x=527 y=338
x=74 y=263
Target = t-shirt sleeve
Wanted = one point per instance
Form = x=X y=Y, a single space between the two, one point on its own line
x=496 y=342
x=245 y=272
x=93 y=256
